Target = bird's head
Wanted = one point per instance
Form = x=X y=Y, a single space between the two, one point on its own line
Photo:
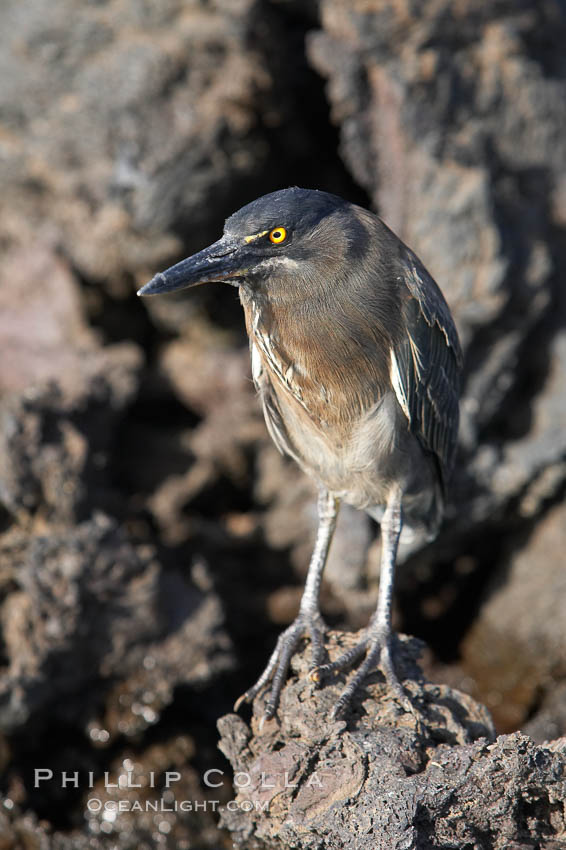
x=276 y=245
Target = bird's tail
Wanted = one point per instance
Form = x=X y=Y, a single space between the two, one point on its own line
x=421 y=522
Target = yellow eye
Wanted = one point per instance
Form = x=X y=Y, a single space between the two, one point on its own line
x=278 y=235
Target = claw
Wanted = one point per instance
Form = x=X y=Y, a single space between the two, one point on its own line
x=314 y=675
x=337 y=710
x=240 y=701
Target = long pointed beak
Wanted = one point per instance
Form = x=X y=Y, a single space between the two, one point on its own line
x=221 y=261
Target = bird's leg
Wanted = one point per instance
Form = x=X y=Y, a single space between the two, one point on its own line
x=309 y=621
x=376 y=646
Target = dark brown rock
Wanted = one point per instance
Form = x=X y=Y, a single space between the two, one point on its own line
x=136 y=102
x=96 y=632
x=516 y=658
x=56 y=437
x=385 y=779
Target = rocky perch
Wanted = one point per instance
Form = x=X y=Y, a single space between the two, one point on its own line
x=382 y=778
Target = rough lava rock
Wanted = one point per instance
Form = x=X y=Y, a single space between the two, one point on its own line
x=125 y=122
x=95 y=630
x=522 y=656
x=384 y=779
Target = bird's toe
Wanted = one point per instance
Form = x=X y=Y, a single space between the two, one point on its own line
x=311 y=626
x=343 y=662
x=377 y=649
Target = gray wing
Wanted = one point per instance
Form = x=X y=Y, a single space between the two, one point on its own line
x=426 y=365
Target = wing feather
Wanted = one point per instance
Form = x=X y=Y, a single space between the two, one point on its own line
x=272 y=414
x=426 y=364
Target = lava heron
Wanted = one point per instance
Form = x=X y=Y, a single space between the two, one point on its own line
x=357 y=362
